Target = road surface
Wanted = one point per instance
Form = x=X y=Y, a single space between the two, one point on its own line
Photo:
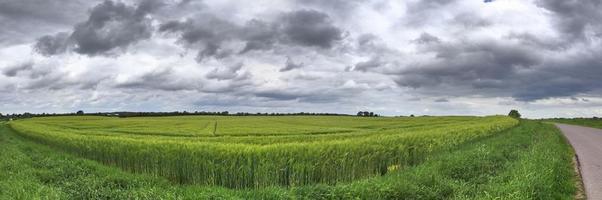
x=587 y=143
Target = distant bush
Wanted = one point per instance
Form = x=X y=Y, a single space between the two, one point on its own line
x=514 y=114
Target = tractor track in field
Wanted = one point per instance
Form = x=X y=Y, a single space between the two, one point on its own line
x=587 y=143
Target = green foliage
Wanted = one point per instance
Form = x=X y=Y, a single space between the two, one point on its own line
x=257 y=152
x=529 y=161
x=514 y=114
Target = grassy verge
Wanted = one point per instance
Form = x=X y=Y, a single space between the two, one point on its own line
x=530 y=161
x=589 y=122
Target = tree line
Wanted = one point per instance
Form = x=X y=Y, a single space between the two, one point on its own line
x=162 y=114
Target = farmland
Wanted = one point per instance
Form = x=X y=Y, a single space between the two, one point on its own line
x=255 y=152
x=530 y=160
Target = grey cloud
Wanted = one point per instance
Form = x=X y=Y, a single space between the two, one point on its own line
x=279 y=95
x=43 y=77
x=301 y=95
x=369 y=64
x=207 y=32
x=342 y=8
x=366 y=39
x=290 y=65
x=574 y=17
x=418 y=12
x=110 y=25
x=562 y=77
x=163 y=79
x=259 y=35
x=492 y=68
x=226 y=73
x=24 y=20
x=12 y=71
x=52 y=44
x=441 y=100
x=311 y=28
x=478 y=64
x=426 y=38
x=471 y=21
x=486 y=60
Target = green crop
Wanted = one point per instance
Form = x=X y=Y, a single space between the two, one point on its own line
x=258 y=152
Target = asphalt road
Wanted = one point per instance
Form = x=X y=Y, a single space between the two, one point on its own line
x=587 y=143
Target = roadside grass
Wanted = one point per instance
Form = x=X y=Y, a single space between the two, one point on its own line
x=529 y=161
x=589 y=122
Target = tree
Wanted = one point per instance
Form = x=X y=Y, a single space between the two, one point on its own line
x=81 y=112
x=514 y=114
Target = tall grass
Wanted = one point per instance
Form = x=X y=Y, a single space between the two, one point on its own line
x=256 y=160
x=529 y=161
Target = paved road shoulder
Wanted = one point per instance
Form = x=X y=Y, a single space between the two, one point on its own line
x=587 y=143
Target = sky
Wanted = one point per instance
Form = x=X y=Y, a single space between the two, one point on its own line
x=392 y=57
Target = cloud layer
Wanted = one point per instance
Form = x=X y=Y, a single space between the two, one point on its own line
x=396 y=58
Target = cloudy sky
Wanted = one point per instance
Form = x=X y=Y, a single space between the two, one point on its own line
x=435 y=57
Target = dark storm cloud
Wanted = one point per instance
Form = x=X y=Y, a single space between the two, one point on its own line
x=205 y=31
x=473 y=64
x=311 y=28
x=290 y=65
x=23 y=20
x=259 y=35
x=52 y=44
x=209 y=33
x=574 y=18
x=492 y=68
x=562 y=77
x=12 y=71
x=110 y=25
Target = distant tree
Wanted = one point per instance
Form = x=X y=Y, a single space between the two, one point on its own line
x=81 y=112
x=26 y=115
x=412 y=115
x=514 y=114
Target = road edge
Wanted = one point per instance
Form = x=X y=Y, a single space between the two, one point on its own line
x=580 y=193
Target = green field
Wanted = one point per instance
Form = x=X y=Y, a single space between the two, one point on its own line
x=589 y=122
x=528 y=161
x=255 y=152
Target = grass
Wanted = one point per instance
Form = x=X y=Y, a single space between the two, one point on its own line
x=589 y=122
x=264 y=154
x=529 y=161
